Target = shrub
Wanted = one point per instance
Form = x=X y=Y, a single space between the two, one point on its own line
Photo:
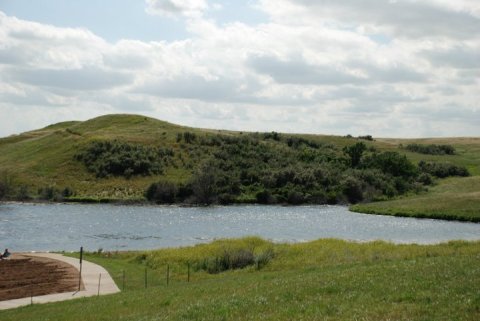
x=264 y=197
x=354 y=153
x=189 y=137
x=204 y=185
x=49 y=193
x=3 y=190
x=352 y=189
x=295 y=198
x=431 y=149
x=114 y=158
x=67 y=192
x=366 y=137
x=23 y=194
x=392 y=163
x=163 y=192
x=425 y=179
x=442 y=170
x=6 y=184
x=233 y=259
x=263 y=258
x=228 y=260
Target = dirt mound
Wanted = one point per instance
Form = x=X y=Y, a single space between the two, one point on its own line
x=23 y=276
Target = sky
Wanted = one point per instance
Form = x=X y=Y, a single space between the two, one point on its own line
x=386 y=68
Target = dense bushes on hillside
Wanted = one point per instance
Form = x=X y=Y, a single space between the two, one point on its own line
x=115 y=158
x=431 y=149
x=271 y=168
x=442 y=170
x=265 y=168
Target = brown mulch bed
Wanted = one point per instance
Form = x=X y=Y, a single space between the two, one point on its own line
x=24 y=276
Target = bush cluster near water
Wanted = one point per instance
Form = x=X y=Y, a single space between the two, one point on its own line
x=270 y=168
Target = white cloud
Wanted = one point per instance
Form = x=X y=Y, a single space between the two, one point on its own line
x=406 y=18
x=175 y=8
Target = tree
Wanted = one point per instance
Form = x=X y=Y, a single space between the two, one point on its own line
x=3 y=190
x=204 y=185
x=163 y=192
x=6 y=183
x=355 y=152
x=394 y=164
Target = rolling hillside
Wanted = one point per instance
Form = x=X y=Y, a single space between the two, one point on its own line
x=47 y=161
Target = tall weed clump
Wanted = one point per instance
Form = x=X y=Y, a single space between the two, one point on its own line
x=218 y=256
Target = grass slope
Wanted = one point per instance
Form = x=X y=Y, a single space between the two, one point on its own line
x=321 y=280
x=45 y=158
x=451 y=199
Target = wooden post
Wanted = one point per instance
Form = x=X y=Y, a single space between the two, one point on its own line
x=31 y=292
x=99 y=279
x=123 y=281
x=80 y=271
x=168 y=273
x=146 y=278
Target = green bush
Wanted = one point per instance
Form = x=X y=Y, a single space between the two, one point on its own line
x=228 y=260
x=115 y=158
x=392 y=163
x=442 y=170
x=163 y=192
x=264 y=197
x=50 y=193
x=431 y=149
x=352 y=188
x=233 y=259
x=23 y=194
x=6 y=184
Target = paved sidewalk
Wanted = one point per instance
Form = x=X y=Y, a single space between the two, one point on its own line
x=91 y=273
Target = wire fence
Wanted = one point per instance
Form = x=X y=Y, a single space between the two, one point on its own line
x=163 y=276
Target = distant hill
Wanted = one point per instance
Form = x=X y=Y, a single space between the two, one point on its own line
x=119 y=157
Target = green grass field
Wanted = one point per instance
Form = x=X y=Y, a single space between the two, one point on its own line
x=451 y=199
x=320 y=280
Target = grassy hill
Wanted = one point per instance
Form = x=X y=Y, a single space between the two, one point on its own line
x=249 y=167
x=45 y=157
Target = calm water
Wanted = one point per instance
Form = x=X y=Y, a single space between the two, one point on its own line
x=34 y=227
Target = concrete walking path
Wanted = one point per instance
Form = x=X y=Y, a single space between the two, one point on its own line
x=91 y=274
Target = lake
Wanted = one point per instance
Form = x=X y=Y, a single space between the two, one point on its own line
x=55 y=227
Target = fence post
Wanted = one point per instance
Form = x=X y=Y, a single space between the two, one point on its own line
x=99 y=279
x=146 y=284
x=80 y=270
x=123 y=281
x=168 y=273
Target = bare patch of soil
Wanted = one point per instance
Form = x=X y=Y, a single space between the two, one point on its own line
x=24 y=276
